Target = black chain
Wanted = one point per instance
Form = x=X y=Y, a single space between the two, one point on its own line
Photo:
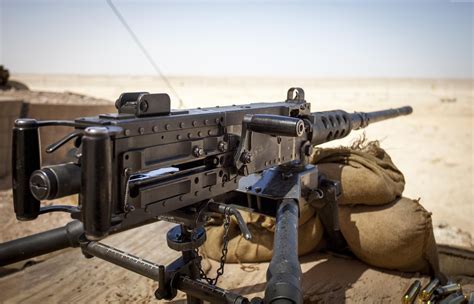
x=220 y=270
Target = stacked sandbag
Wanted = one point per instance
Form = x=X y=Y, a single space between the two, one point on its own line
x=366 y=172
x=259 y=248
x=397 y=236
x=381 y=227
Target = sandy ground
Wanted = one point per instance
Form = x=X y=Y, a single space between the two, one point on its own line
x=433 y=146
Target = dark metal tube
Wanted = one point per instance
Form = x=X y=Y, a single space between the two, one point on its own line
x=96 y=191
x=123 y=259
x=26 y=159
x=41 y=243
x=331 y=125
x=210 y=293
x=362 y=120
x=193 y=288
x=56 y=181
x=275 y=125
x=284 y=271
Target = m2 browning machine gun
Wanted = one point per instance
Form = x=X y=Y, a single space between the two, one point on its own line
x=148 y=163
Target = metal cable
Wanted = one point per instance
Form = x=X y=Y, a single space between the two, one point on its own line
x=145 y=52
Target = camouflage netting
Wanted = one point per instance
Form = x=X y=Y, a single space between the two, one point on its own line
x=381 y=228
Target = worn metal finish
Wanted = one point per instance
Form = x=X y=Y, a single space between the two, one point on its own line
x=178 y=242
x=26 y=159
x=148 y=163
x=56 y=181
x=284 y=271
x=96 y=180
x=123 y=259
x=209 y=293
x=41 y=243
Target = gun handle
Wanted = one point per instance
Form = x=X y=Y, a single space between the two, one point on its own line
x=41 y=243
x=96 y=190
x=26 y=159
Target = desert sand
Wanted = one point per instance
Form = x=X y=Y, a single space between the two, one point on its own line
x=433 y=147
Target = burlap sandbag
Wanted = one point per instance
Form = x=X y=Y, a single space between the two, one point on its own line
x=366 y=172
x=381 y=228
x=395 y=236
x=259 y=249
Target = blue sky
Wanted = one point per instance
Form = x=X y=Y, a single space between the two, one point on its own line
x=431 y=39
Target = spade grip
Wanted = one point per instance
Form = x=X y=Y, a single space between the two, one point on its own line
x=26 y=159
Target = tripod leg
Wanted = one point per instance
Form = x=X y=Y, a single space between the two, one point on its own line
x=284 y=271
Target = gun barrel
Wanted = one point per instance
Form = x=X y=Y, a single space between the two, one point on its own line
x=361 y=119
x=331 y=125
x=284 y=271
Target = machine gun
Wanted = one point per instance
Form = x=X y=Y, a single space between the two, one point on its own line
x=148 y=163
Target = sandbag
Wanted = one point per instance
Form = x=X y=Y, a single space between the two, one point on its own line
x=396 y=236
x=366 y=172
x=381 y=228
x=259 y=249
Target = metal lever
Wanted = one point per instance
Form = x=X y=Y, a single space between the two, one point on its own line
x=53 y=147
x=227 y=209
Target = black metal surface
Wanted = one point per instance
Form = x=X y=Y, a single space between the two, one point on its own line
x=206 y=292
x=284 y=271
x=26 y=159
x=281 y=182
x=141 y=104
x=362 y=120
x=60 y=208
x=330 y=125
x=329 y=214
x=41 y=243
x=123 y=259
x=56 y=181
x=96 y=182
x=275 y=125
x=55 y=146
x=177 y=241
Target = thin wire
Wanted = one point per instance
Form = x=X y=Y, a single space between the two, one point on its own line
x=145 y=52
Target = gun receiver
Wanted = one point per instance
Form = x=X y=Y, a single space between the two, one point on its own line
x=148 y=163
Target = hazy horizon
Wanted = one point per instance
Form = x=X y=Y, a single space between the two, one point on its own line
x=278 y=39
x=13 y=74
